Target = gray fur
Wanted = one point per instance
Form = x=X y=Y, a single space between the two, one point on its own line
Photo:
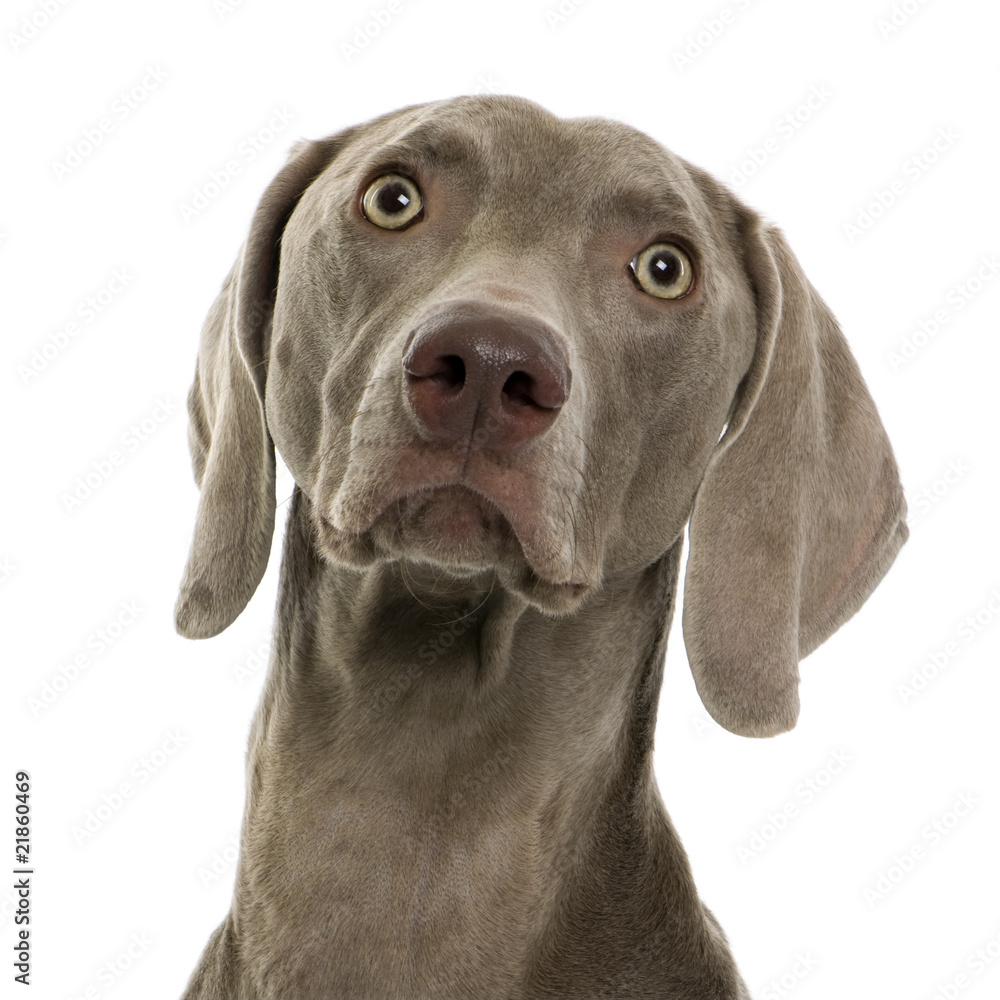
x=450 y=788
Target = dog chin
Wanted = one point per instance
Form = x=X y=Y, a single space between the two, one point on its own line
x=454 y=529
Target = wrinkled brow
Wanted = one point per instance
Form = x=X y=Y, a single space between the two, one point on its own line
x=426 y=145
x=655 y=207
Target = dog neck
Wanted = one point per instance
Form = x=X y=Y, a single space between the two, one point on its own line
x=451 y=766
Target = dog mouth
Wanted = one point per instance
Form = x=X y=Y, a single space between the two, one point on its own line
x=462 y=530
x=451 y=525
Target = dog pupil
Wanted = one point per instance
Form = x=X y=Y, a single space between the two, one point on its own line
x=393 y=198
x=664 y=267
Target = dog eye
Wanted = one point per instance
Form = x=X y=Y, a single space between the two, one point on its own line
x=663 y=270
x=392 y=201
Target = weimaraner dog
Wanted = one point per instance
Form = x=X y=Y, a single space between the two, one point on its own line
x=507 y=358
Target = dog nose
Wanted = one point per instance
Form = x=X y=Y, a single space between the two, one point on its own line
x=495 y=380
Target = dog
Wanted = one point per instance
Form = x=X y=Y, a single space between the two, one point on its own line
x=507 y=358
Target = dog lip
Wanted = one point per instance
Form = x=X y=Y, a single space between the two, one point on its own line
x=334 y=537
x=402 y=498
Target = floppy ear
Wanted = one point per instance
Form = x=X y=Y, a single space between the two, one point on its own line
x=231 y=449
x=800 y=512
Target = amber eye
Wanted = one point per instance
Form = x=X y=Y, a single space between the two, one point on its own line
x=392 y=201
x=663 y=270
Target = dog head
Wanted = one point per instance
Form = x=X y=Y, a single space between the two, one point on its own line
x=488 y=340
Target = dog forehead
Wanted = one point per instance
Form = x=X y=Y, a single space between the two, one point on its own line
x=509 y=148
x=509 y=130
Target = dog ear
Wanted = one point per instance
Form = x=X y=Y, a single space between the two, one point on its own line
x=800 y=512
x=231 y=449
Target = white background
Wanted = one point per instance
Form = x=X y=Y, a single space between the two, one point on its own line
x=887 y=94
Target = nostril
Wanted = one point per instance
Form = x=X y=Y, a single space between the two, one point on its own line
x=446 y=370
x=518 y=389
x=546 y=389
x=451 y=372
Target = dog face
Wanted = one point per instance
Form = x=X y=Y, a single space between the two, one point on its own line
x=480 y=380
x=499 y=342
